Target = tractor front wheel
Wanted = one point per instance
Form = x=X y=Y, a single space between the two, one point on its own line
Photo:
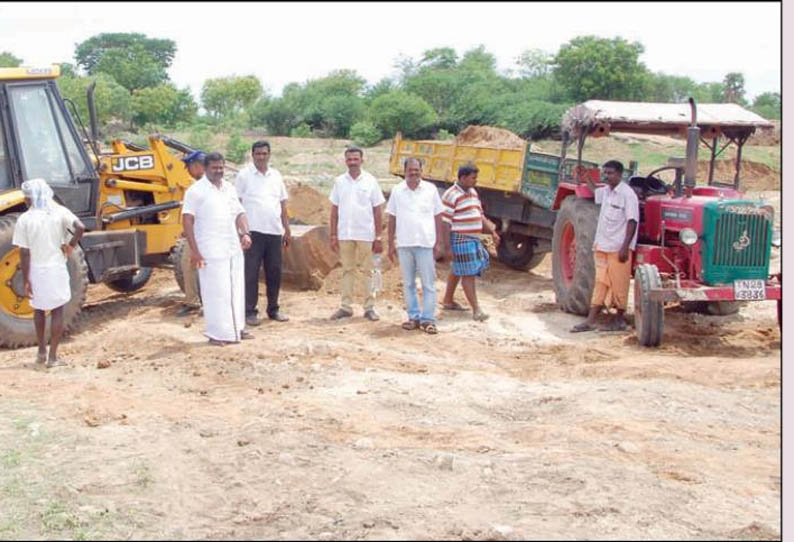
x=648 y=314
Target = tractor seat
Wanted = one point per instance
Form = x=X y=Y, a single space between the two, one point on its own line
x=647 y=186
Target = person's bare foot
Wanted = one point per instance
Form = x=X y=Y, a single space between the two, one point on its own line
x=55 y=363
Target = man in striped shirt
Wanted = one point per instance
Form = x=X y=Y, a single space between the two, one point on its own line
x=463 y=221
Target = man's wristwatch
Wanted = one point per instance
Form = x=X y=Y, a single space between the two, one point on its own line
x=379 y=238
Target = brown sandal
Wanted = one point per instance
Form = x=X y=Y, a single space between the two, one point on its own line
x=410 y=325
x=429 y=328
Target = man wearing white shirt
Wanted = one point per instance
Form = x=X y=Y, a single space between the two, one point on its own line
x=356 y=225
x=415 y=220
x=264 y=197
x=217 y=230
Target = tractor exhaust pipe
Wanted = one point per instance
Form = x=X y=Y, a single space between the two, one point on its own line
x=692 y=144
x=92 y=110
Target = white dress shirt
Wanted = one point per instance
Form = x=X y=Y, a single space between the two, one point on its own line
x=215 y=211
x=415 y=211
x=261 y=195
x=355 y=199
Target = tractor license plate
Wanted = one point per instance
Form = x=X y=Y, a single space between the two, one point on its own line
x=749 y=290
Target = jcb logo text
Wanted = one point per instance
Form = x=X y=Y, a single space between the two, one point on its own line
x=133 y=163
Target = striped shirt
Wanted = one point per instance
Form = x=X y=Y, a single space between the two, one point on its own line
x=462 y=210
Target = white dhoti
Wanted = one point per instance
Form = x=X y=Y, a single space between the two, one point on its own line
x=51 y=286
x=222 y=284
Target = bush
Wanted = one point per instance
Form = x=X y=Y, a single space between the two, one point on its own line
x=365 y=134
x=301 y=130
x=201 y=138
x=534 y=119
x=399 y=111
x=237 y=148
x=444 y=135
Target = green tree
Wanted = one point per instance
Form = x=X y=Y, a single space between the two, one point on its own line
x=132 y=68
x=768 y=105
x=588 y=67
x=89 y=52
x=734 y=88
x=534 y=63
x=281 y=116
x=226 y=96
x=441 y=58
x=341 y=112
x=8 y=60
x=401 y=111
x=163 y=104
x=670 y=88
x=113 y=102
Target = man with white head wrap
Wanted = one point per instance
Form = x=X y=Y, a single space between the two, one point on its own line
x=42 y=234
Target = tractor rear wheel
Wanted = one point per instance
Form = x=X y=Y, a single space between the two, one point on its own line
x=648 y=314
x=573 y=268
x=131 y=283
x=16 y=314
x=518 y=251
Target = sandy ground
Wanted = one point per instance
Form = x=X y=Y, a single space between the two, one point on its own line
x=508 y=429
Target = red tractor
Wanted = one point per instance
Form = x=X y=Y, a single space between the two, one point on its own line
x=704 y=246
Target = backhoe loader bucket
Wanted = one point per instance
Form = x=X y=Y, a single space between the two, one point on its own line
x=309 y=258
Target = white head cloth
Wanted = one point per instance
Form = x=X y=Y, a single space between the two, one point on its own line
x=39 y=193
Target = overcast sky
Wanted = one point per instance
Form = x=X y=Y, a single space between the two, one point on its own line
x=286 y=42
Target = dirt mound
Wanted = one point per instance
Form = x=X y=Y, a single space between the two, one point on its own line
x=766 y=137
x=753 y=175
x=490 y=136
x=307 y=205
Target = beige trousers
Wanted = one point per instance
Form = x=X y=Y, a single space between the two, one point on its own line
x=190 y=276
x=356 y=258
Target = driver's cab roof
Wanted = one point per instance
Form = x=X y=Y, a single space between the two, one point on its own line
x=660 y=118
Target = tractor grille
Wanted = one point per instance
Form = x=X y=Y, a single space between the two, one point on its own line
x=738 y=238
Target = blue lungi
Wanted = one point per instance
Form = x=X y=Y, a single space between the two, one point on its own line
x=469 y=256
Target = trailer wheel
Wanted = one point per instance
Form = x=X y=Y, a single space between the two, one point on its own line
x=573 y=269
x=16 y=314
x=131 y=283
x=518 y=251
x=648 y=314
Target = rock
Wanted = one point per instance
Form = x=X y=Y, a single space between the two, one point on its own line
x=444 y=461
x=243 y=442
x=102 y=364
x=364 y=443
x=627 y=447
x=369 y=524
x=502 y=530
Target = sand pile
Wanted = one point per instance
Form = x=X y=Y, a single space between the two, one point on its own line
x=766 y=137
x=752 y=176
x=307 y=205
x=490 y=136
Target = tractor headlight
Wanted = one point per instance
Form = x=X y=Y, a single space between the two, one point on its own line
x=776 y=242
x=688 y=236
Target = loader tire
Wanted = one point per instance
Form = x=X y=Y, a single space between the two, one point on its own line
x=16 y=314
x=518 y=251
x=176 y=259
x=573 y=268
x=131 y=283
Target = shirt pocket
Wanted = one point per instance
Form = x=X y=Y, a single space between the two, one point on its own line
x=614 y=212
x=362 y=197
